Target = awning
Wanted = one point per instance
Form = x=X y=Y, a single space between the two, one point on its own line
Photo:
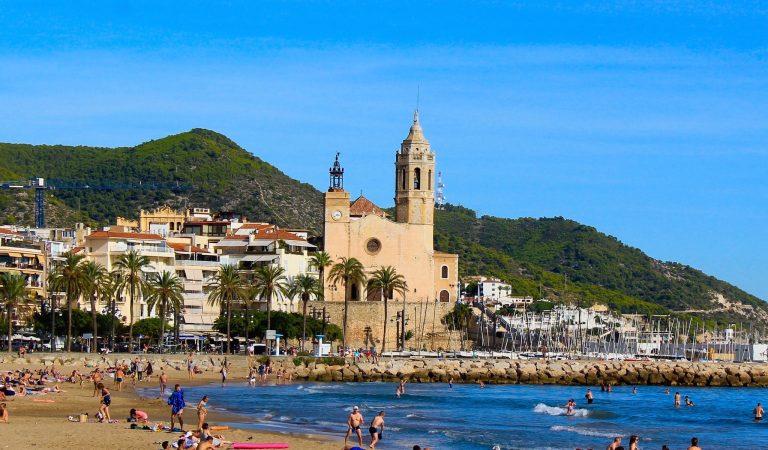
x=14 y=255
x=259 y=258
x=41 y=258
x=231 y=243
x=261 y=242
x=198 y=319
x=194 y=274
x=296 y=243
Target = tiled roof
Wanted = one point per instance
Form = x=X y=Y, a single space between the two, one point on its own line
x=118 y=234
x=276 y=234
x=183 y=248
x=76 y=250
x=254 y=226
x=9 y=231
x=363 y=207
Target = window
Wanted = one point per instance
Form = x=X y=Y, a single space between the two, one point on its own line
x=445 y=296
x=444 y=272
x=402 y=179
x=429 y=180
x=417 y=179
x=353 y=292
x=373 y=246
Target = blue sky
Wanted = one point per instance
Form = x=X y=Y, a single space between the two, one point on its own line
x=647 y=120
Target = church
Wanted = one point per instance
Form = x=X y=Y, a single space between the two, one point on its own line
x=360 y=229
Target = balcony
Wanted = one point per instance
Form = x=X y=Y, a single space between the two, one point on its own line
x=191 y=262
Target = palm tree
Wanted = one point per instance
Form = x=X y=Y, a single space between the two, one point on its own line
x=305 y=286
x=110 y=290
x=225 y=288
x=94 y=284
x=388 y=281
x=68 y=277
x=321 y=260
x=12 y=292
x=271 y=282
x=348 y=271
x=131 y=265
x=165 y=290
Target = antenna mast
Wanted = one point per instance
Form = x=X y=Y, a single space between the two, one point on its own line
x=440 y=197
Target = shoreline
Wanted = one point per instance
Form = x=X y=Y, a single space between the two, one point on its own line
x=41 y=420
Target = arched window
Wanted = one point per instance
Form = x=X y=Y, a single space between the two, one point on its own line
x=429 y=181
x=417 y=179
x=402 y=179
x=444 y=272
x=353 y=292
x=445 y=296
x=171 y=226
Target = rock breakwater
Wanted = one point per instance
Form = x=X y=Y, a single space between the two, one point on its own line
x=427 y=370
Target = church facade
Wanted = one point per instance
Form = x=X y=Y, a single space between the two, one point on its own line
x=360 y=229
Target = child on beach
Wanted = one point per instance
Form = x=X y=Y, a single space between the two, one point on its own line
x=3 y=413
x=139 y=416
x=106 y=400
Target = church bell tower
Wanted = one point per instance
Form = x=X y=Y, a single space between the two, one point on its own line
x=414 y=178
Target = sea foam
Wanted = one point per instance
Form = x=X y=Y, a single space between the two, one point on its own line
x=558 y=411
x=582 y=431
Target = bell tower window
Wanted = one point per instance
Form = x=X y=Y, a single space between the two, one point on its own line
x=402 y=179
x=417 y=179
x=429 y=180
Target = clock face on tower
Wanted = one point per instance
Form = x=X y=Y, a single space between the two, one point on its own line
x=336 y=215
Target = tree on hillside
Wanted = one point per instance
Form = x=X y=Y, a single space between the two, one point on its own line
x=348 y=271
x=131 y=265
x=13 y=290
x=226 y=288
x=165 y=291
x=387 y=281
x=67 y=277
x=94 y=283
x=306 y=287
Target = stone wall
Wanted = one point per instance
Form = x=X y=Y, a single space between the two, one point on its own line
x=366 y=324
x=541 y=372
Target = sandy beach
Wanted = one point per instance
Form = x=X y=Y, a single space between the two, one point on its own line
x=35 y=422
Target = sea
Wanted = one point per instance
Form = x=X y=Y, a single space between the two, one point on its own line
x=466 y=416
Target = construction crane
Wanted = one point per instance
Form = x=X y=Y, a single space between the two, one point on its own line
x=40 y=186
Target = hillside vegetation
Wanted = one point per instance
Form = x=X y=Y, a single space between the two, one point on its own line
x=575 y=262
x=551 y=257
x=208 y=168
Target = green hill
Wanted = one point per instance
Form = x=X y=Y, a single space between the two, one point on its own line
x=219 y=174
x=552 y=257
x=575 y=262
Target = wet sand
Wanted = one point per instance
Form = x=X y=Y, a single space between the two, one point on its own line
x=37 y=424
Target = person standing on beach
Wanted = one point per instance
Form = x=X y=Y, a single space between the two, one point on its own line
x=354 y=422
x=163 y=382
x=615 y=444
x=176 y=400
x=119 y=376
x=694 y=444
x=376 y=429
x=677 y=399
x=590 y=398
x=759 y=411
x=190 y=366
x=97 y=377
x=202 y=411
